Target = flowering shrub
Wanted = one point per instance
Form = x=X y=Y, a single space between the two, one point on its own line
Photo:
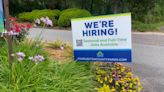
x=45 y=21
x=19 y=31
x=114 y=77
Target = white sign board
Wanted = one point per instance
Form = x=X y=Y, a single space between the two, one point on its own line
x=102 y=38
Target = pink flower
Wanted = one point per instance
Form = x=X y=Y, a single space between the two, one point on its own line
x=48 y=22
x=28 y=26
x=22 y=25
x=17 y=28
x=11 y=29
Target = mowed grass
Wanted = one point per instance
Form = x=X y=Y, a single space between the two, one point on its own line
x=47 y=76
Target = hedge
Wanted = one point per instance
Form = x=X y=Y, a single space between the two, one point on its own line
x=69 y=10
x=31 y=16
x=68 y=14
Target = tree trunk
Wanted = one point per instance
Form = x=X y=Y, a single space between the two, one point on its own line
x=91 y=8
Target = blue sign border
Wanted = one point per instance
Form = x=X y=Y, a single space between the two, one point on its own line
x=118 y=55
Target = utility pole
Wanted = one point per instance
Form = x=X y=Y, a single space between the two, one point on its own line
x=7 y=25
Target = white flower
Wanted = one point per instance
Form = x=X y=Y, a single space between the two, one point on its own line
x=31 y=58
x=13 y=33
x=20 y=59
x=12 y=54
x=62 y=47
x=37 y=21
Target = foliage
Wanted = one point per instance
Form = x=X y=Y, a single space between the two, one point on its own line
x=67 y=15
x=114 y=77
x=144 y=11
x=138 y=11
x=96 y=7
x=56 y=45
x=153 y=15
x=143 y=27
x=69 y=10
x=37 y=14
x=69 y=53
x=46 y=76
x=68 y=78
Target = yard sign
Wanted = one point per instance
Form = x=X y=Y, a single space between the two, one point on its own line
x=1 y=17
x=102 y=38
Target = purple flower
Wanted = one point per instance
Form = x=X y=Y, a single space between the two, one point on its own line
x=47 y=21
x=43 y=20
x=20 y=56
x=37 y=59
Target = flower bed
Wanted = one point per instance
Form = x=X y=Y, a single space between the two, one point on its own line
x=110 y=77
x=34 y=71
x=114 y=77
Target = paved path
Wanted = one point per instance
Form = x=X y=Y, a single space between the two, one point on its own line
x=148 y=55
x=51 y=34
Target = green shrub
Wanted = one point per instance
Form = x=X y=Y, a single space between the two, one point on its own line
x=69 y=10
x=31 y=16
x=143 y=27
x=67 y=15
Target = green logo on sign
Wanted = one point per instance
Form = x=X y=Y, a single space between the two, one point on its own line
x=100 y=54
